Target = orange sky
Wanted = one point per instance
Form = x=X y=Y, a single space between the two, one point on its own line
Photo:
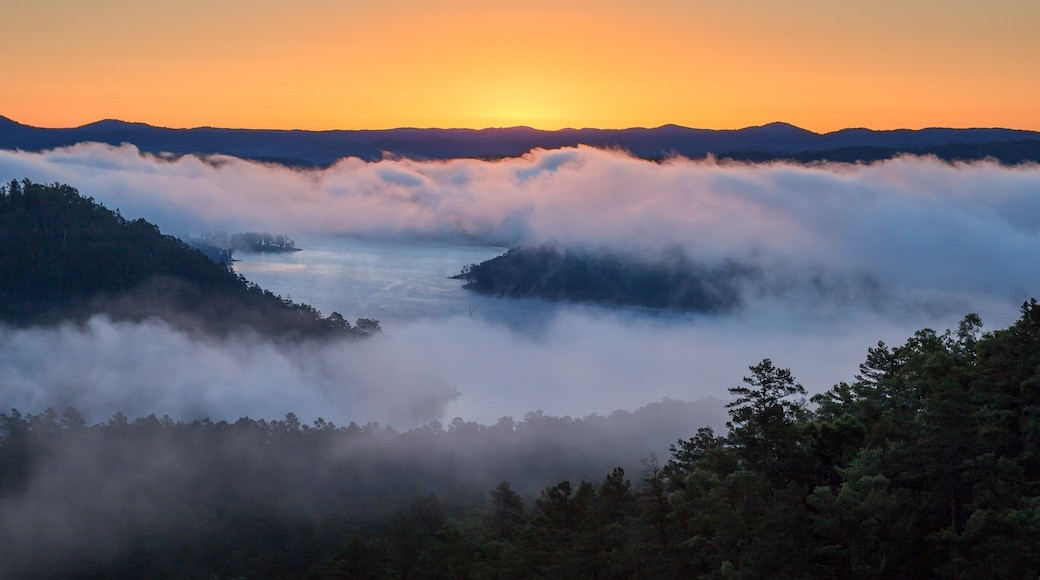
x=335 y=64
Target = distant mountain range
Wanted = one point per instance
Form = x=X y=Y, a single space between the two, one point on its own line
x=321 y=148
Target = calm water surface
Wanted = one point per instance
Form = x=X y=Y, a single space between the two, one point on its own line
x=382 y=279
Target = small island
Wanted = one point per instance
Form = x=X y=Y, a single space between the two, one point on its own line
x=671 y=281
x=220 y=246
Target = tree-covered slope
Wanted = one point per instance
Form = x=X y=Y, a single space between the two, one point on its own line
x=64 y=256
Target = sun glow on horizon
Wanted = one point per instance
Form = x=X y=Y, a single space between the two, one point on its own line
x=322 y=65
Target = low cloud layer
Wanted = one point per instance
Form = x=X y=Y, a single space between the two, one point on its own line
x=918 y=223
x=934 y=240
x=140 y=368
x=578 y=361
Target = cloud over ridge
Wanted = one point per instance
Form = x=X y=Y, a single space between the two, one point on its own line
x=915 y=242
x=916 y=220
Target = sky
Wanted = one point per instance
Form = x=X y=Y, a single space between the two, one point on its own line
x=334 y=64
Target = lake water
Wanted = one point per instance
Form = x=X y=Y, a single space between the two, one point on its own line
x=391 y=281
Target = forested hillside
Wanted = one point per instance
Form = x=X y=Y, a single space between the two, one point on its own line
x=64 y=256
x=925 y=465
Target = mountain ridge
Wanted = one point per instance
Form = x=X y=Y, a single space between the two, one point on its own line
x=776 y=140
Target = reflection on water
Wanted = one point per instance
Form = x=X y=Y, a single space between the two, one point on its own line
x=258 y=266
x=386 y=280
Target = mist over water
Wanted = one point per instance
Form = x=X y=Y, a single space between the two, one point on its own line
x=509 y=356
x=849 y=254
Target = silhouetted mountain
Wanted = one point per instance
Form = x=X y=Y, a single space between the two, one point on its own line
x=321 y=148
x=1007 y=152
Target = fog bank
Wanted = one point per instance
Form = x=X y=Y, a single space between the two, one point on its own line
x=918 y=223
x=917 y=242
x=578 y=361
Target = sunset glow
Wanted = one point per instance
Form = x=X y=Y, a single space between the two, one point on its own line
x=321 y=64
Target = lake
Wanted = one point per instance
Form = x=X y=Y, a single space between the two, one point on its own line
x=391 y=281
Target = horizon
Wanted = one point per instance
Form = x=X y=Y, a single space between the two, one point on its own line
x=504 y=127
